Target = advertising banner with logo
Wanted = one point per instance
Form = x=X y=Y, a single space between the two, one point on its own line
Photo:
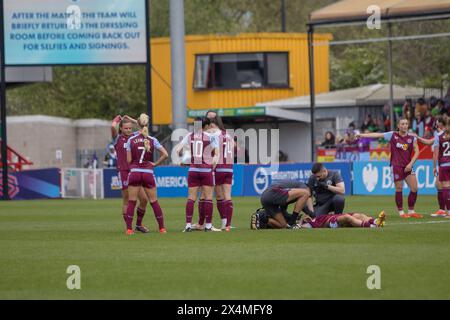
x=257 y=177
x=112 y=185
x=33 y=184
x=171 y=182
x=375 y=178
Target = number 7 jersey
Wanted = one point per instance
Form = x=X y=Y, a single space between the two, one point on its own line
x=139 y=157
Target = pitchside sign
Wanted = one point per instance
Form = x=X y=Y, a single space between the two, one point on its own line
x=48 y=32
x=375 y=178
x=258 y=178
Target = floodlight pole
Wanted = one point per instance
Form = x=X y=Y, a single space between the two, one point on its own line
x=283 y=16
x=148 y=67
x=178 y=64
x=4 y=145
x=312 y=89
x=391 y=87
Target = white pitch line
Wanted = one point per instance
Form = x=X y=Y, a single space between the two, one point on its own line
x=424 y=222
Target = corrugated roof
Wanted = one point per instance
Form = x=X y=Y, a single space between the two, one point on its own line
x=357 y=10
x=367 y=95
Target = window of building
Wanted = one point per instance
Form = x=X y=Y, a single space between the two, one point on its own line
x=241 y=70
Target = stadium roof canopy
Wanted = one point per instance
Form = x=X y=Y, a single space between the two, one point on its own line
x=352 y=11
x=370 y=95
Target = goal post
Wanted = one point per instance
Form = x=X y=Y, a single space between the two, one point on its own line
x=82 y=183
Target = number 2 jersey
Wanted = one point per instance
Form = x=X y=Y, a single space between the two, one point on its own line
x=444 y=149
x=141 y=159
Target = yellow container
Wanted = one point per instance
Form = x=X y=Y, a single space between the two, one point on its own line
x=295 y=44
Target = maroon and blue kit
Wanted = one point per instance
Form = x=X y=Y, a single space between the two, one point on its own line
x=141 y=173
x=123 y=169
x=402 y=148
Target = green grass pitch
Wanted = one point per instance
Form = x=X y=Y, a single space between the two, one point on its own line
x=40 y=239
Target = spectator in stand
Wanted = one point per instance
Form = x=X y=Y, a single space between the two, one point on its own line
x=387 y=117
x=447 y=99
x=429 y=123
x=368 y=123
x=406 y=113
x=330 y=141
x=352 y=129
x=364 y=143
x=418 y=125
x=435 y=110
x=110 y=160
x=440 y=106
x=282 y=157
x=376 y=126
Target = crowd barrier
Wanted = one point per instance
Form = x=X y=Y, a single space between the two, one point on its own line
x=360 y=178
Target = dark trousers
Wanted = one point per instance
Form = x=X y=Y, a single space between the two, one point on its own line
x=335 y=204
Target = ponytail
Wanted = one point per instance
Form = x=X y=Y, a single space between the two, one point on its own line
x=143 y=123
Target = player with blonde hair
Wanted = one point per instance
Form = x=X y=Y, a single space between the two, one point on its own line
x=140 y=150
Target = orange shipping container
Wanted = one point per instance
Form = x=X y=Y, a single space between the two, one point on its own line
x=294 y=44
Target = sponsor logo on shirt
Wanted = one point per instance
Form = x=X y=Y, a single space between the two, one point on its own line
x=403 y=146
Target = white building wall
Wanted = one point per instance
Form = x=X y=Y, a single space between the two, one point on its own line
x=42 y=139
x=295 y=139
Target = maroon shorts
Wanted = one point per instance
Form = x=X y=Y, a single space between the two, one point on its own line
x=221 y=178
x=123 y=177
x=444 y=174
x=400 y=174
x=198 y=179
x=142 y=179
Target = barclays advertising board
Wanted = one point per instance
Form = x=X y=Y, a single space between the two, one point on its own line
x=258 y=177
x=375 y=178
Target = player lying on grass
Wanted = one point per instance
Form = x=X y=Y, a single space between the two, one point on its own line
x=345 y=220
x=262 y=220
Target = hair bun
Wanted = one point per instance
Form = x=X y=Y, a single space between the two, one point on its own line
x=143 y=119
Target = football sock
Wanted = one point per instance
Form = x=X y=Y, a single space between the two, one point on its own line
x=201 y=212
x=130 y=213
x=208 y=207
x=222 y=207
x=365 y=224
x=400 y=212
x=189 y=210
x=399 y=200
x=140 y=216
x=158 y=214
x=229 y=212
x=441 y=200
x=293 y=217
x=446 y=196
x=412 y=200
